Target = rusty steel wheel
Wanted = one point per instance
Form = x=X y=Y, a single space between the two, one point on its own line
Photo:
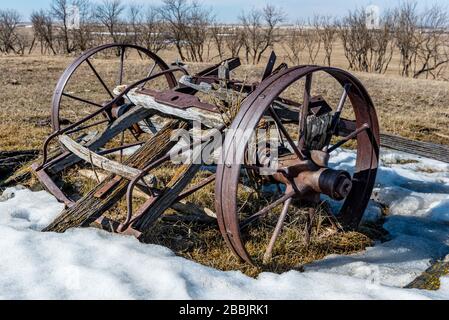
x=302 y=172
x=88 y=83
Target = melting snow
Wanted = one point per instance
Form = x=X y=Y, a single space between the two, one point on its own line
x=92 y=264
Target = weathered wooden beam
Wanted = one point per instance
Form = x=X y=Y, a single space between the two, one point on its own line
x=90 y=207
x=118 y=126
x=425 y=149
x=102 y=162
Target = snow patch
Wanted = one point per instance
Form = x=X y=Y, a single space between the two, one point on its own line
x=92 y=264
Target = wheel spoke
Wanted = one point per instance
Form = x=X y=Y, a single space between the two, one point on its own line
x=268 y=253
x=267 y=209
x=122 y=61
x=352 y=135
x=336 y=117
x=304 y=112
x=285 y=132
x=149 y=74
x=81 y=100
x=99 y=78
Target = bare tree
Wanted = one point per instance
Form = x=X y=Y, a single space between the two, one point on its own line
x=260 y=31
x=294 y=44
x=175 y=13
x=9 y=19
x=135 y=22
x=152 y=34
x=312 y=41
x=366 y=49
x=218 y=34
x=432 y=51
x=327 y=31
x=59 y=9
x=83 y=37
x=234 y=41
x=43 y=31
x=109 y=12
x=406 y=27
x=195 y=31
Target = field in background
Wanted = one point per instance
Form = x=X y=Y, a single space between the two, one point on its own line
x=413 y=108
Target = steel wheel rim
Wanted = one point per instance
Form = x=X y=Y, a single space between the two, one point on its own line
x=250 y=114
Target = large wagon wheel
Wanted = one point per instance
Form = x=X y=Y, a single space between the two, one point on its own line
x=84 y=86
x=304 y=172
x=86 y=104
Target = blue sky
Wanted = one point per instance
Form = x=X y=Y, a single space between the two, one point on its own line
x=228 y=10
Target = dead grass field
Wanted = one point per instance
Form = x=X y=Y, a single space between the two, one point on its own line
x=416 y=109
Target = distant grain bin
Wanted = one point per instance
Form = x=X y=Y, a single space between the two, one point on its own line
x=73 y=18
x=372 y=17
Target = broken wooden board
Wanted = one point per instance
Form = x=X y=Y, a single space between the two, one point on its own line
x=90 y=207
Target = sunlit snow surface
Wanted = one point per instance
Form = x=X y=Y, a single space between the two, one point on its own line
x=92 y=264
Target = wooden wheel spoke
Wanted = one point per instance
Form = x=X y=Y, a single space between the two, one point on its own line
x=305 y=111
x=122 y=61
x=100 y=79
x=267 y=209
x=268 y=253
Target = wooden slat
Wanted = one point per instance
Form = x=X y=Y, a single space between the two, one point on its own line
x=425 y=149
x=101 y=161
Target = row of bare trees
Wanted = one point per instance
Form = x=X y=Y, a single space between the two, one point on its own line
x=419 y=39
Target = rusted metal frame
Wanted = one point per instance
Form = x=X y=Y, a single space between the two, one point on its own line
x=132 y=184
x=87 y=126
x=81 y=100
x=270 y=66
x=99 y=111
x=336 y=116
x=122 y=62
x=223 y=205
x=277 y=230
x=196 y=187
x=350 y=136
x=122 y=147
x=48 y=183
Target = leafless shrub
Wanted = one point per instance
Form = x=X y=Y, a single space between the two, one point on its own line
x=195 y=31
x=43 y=31
x=327 y=32
x=152 y=35
x=312 y=41
x=175 y=14
x=9 y=19
x=368 y=50
x=108 y=13
x=432 y=53
x=234 y=41
x=260 y=31
x=294 y=44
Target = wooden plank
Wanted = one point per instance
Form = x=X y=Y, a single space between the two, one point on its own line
x=103 y=162
x=118 y=126
x=89 y=207
x=425 y=149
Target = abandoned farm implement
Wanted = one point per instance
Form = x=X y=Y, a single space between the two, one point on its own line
x=126 y=142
